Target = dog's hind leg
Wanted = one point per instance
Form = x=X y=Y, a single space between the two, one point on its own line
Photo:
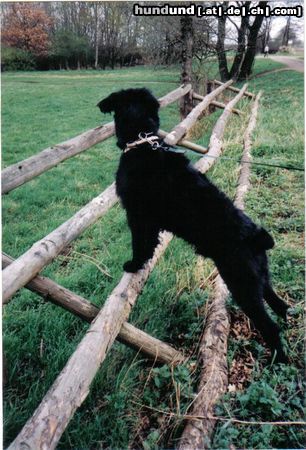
x=248 y=293
x=276 y=303
x=252 y=305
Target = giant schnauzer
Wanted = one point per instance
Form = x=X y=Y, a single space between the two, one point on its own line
x=161 y=190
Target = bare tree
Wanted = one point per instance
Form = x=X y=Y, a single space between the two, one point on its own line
x=247 y=34
x=186 y=59
x=250 y=53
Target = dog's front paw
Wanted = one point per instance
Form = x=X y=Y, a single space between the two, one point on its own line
x=132 y=266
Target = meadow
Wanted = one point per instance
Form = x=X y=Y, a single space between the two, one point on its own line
x=40 y=109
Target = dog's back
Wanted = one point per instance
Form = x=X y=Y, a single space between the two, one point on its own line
x=163 y=187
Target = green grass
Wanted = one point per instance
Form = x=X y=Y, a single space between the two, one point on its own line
x=40 y=109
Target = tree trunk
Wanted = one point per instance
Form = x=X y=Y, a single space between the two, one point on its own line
x=223 y=69
x=266 y=34
x=240 y=48
x=187 y=53
x=96 y=36
x=285 y=39
x=248 y=61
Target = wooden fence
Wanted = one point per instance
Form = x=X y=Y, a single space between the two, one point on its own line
x=44 y=429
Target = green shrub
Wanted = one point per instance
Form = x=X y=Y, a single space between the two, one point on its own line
x=16 y=59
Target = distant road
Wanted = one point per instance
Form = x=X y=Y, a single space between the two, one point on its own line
x=290 y=61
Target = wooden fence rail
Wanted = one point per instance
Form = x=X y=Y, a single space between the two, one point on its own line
x=215 y=142
x=215 y=103
x=24 y=268
x=185 y=143
x=182 y=128
x=23 y=171
x=234 y=89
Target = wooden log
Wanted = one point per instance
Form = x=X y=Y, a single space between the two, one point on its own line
x=234 y=89
x=128 y=334
x=219 y=105
x=183 y=127
x=244 y=178
x=212 y=361
x=174 y=95
x=70 y=389
x=23 y=171
x=187 y=144
x=154 y=348
x=215 y=142
x=24 y=268
x=213 y=347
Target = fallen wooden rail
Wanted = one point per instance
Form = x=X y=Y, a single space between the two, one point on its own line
x=70 y=389
x=213 y=347
x=183 y=127
x=216 y=103
x=24 y=268
x=244 y=178
x=234 y=89
x=79 y=306
x=23 y=171
x=215 y=142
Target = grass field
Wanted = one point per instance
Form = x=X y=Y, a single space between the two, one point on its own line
x=43 y=109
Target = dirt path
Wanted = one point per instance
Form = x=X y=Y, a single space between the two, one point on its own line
x=290 y=61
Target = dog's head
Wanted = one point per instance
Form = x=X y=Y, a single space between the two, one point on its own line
x=136 y=111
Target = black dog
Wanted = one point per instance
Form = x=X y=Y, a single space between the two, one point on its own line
x=161 y=190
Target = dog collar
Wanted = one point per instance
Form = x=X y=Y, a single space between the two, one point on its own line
x=153 y=141
x=143 y=138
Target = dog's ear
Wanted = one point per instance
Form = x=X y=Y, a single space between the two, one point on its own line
x=109 y=103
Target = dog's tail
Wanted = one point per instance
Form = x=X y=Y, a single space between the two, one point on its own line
x=262 y=240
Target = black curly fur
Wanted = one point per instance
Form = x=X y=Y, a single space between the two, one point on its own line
x=162 y=191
